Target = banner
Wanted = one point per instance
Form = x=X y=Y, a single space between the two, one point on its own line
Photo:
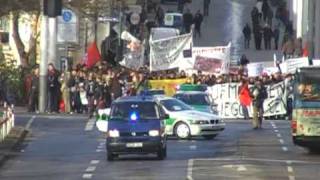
x=211 y=59
x=291 y=65
x=170 y=53
x=134 y=59
x=255 y=69
x=169 y=86
x=226 y=97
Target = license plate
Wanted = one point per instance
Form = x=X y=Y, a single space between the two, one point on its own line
x=134 y=145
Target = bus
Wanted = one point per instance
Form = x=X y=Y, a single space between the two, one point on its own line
x=305 y=122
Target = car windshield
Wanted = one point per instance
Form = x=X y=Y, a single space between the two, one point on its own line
x=134 y=111
x=194 y=99
x=175 y=105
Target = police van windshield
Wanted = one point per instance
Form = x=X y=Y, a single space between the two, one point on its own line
x=194 y=99
x=175 y=105
x=134 y=111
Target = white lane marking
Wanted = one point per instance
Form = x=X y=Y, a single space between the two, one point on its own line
x=99 y=150
x=94 y=162
x=28 y=125
x=241 y=168
x=190 y=166
x=281 y=141
x=290 y=169
x=289 y=162
x=90 y=125
x=291 y=177
x=86 y=176
x=284 y=148
x=276 y=130
x=22 y=150
x=91 y=169
x=256 y=159
x=279 y=135
x=193 y=147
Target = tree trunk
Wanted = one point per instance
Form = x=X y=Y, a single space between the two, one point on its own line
x=17 y=39
x=32 y=52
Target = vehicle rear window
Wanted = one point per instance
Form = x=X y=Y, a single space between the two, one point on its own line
x=134 y=111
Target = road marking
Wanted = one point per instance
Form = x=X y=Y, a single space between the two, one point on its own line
x=279 y=135
x=90 y=125
x=86 y=176
x=22 y=150
x=281 y=141
x=28 y=125
x=284 y=148
x=256 y=159
x=190 y=166
x=94 y=162
x=291 y=177
x=193 y=147
x=241 y=168
x=276 y=130
x=91 y=169
x=290 y=169
x=99 y=150
x=289 y=162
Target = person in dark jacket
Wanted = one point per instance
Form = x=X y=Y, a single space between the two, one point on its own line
x=90 y=88
x=265 y=10
x=259 y=94
x=206 y=7
x=247 y=36
x=34 y=92
x=257 y=36
x=198 y=18
x=53 y=89
x=267 y=36
x=187 y=21
x=276 y=35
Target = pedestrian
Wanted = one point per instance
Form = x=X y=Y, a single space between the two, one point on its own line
x=198 y=18
x=65 y=91
x=187 y=20
x=53 y=89
x=298 y=48
x=255 y=17
x=90 y=89
x=276 y=35
x=244 y=97
x=288 y=48
x=265 y=10
x=72 y=85
x=244 y=61
x=206 y=7
x=270 y=17
x=257 y=36
x=289 y=95
x=160 y=16
x=267 y=36
x=259 y=94
x=247 y=36
x=34 y=91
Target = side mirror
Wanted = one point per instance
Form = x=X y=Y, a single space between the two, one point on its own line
x=166 y=116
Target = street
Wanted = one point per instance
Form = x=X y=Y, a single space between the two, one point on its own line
x=63 y=148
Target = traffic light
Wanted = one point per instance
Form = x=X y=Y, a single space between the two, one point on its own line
x=52 y=8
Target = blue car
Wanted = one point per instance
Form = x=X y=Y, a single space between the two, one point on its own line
x=136 y=126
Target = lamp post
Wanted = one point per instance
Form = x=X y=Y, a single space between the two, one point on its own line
x=120 y=47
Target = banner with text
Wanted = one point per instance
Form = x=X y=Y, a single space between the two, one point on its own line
x=226 y=97
x=170 y=53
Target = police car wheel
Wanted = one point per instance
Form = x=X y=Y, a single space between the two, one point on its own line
x=182 y=130
x=209 y=137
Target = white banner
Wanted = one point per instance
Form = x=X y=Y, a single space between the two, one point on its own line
x=211 y=59
x=170 y=53
x=291 y=65
x=226 y=97
x=255 y=69
x=133 y=60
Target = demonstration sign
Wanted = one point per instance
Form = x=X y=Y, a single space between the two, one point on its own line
x=226 y=97
x=291 y=65
x=169 y=53
x=255 y=69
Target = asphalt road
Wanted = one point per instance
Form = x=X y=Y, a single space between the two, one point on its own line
x=69 y=147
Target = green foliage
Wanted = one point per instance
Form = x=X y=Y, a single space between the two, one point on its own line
x=13 y=78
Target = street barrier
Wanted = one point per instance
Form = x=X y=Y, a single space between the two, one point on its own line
x=6 y=121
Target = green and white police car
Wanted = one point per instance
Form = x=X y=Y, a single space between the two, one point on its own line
x=183 y=122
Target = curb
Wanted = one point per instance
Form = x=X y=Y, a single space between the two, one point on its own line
x=12 y=146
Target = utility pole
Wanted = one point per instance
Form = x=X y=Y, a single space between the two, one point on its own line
x=52 y=43
x=43 y=63
x=120 y=47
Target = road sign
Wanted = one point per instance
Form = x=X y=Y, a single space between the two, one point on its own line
x=135 y=18
x=68 y=27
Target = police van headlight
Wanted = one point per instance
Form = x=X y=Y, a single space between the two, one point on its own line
x=114 y=133
x=154 y=133
x=200 y=122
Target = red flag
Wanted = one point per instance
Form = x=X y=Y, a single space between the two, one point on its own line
x=93 y=55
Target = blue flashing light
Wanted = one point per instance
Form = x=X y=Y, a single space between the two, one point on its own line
x=133 y=116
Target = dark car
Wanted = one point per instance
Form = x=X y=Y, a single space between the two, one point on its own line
x=136 y=126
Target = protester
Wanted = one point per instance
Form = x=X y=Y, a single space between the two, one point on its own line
x=34 y=92
x=247 y=36
x=276 y=35
x=198 y=18
x=245 y=98
x=206 y=7
x=257 y=36
x=288 y=48
x=259 y=94
x=187 y=20
x=160 y=16
x=53 y=89
x=267 y=36
x=65 y=92
x=265 y=10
